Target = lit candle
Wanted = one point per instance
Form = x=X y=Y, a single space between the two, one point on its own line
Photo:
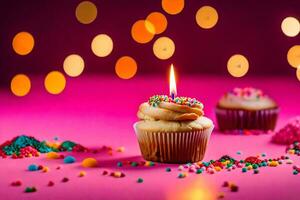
x=173 y=90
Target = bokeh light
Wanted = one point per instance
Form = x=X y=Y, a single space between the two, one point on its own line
x=164 y=48
x=158 y=20
x=142 y=31
x=73 y=65
x=298 y=72
x=102 y=45
x=290 y=26
x=293 y=56
x=172 y=7
x=55 y=82
x=207 y=17
x=238 y=65
x=86 y=12
x=23 y=43
x=20 y=85
x=126 y=67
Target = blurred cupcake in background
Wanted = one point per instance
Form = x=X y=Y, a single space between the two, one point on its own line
x=246 y=109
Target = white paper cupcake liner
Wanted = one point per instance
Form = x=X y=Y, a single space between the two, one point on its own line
x=173 y=147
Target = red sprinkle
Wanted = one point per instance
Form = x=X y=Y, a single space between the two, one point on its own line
x=50 y=183
x=16 y=183
x=64 y=180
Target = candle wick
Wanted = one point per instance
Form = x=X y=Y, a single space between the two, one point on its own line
x=173 y=95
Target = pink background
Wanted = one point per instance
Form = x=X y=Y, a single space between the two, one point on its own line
x=99 y=110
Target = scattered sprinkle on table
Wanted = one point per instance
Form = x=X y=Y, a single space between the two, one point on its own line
x=82 y=174
x=32 y=167
x=65 y=179
x=168 y=169
x=69 y=160
x=50 y=184
x=30 y=189
x=140 y=180
x=16 y=183
x=89 y=163
x=119 y=164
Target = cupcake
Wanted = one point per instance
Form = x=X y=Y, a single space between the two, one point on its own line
x=172 y=130
x=246 y=109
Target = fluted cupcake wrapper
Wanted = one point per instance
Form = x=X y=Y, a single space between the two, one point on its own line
x=235 y=119
x=173 y=147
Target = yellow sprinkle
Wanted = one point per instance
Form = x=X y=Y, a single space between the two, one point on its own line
x=249 y=167
x=52 y=155
x=291 y=151
x=217 y=168
x=117 y=174
x=89 y=162
x=121 y=149
x=82 y=174
x=45 y=169
x=147 y=163
x=273 y=164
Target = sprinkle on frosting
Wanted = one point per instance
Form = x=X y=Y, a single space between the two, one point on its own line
x=156 y=99
x=248 y=93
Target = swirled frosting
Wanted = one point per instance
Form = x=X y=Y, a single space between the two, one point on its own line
x=246 y=98
x=161 y=107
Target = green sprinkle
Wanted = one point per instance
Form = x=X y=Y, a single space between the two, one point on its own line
x=119 y=164
x=181 y=175
x=168 y=169
x=254 y=166
x=140 y=180
x=134 y=164
x=199 y=171
x=295 y=172
x=244 y=169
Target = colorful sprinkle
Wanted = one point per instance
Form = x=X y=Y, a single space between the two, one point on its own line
x=89 y=162
x=45 y=169
x=32 y=167
x=53 y=155
x=16 y=183
x=50 y=184
x=140 y=180
x=233 y=188
x=82 y=174
x=168 y=169
x=119 y=164
x=105 y=172
x=69 y=159
x=120 y=149
x=65 y=179
x=30 y=189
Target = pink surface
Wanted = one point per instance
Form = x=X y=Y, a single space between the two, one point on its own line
x=96 y=111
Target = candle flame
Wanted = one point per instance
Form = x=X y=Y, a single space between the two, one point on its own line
x=173 y=90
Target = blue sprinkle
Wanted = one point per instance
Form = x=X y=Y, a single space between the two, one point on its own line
x=33 y=167
x=238 y=153
x=263 y=155
x=56 y=138
x=69 y=159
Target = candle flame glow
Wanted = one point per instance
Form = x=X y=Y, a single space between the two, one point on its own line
x=173 y=90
